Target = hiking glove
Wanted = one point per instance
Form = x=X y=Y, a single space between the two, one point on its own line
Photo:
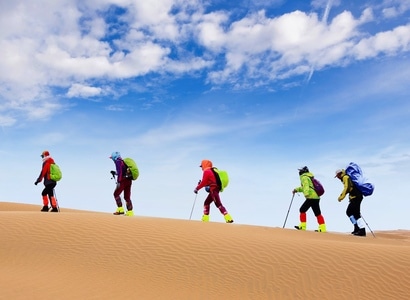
x=207 y=188
x=36 y=182
x=196 y=191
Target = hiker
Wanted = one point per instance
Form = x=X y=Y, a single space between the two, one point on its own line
x=209 y=181
x=49 y=184
x=312 y=200
x=124 y=182
x=355 y=200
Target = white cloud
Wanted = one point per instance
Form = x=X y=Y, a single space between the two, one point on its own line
x=42 y=109
x=284 y=44
x=389 y=42
x=84 y=91
x=69 y=43
x=210 y=30
x=394 y=8
x=7 y=121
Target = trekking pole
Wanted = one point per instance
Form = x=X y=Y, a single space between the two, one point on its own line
x=190 y=216
x=367 y=225
x=55 y=196
x=288 y=211
x=193 y=205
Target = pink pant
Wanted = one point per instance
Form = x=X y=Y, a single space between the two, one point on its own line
x=213 y=196
x=124 y=186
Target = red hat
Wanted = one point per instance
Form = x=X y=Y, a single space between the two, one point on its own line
x=45 y=153
x=338 y=171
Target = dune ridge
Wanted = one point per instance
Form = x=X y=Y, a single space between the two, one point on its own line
x=88 y=255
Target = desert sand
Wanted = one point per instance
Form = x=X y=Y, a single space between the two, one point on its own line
x=90 y=255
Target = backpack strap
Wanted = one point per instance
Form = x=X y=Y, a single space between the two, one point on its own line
x=218 y=180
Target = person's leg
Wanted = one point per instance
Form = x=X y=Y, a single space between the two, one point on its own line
x=127 y=197
x=361 y=231
x=48 y=193
x=117 y=196
x=222 y=209
x=207 y=207
x=302 y=214
x=318 y=215
x=53 y=199
x=353 y=213
x=44 y=195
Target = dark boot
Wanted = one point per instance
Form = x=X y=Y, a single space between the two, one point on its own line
x=356 y=229
x=361 y=232
x=45 y=208
x=55 y=209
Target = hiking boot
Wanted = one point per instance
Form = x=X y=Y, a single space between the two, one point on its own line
x=356 y=229
x=119 y=211
x=129 y=213
x=361 y=232
x=228 y=218
x=45 y=208
x=54 y=209
x=205 y=218
x=302 y=226
x=322 y=228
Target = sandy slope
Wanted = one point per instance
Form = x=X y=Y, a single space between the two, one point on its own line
x=88 y=255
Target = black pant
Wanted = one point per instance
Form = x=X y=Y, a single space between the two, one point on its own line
x=353 y=209
x=49 y=189
x=311 y=203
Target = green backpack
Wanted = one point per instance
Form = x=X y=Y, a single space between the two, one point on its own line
x=222 y=179
x=132 y=168
x=55 y=172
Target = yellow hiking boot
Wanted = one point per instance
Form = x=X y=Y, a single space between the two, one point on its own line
x=302 y=226
x=228 y=218
x=129 y=213
x=119 y=211
x=205 y=218
x=322 y=228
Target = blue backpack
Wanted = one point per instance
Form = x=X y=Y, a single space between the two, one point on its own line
x=356 y=175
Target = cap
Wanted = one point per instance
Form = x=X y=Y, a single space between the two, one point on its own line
x=303 y=170
x=115 y=155
x=338 y=171
x=45 y=153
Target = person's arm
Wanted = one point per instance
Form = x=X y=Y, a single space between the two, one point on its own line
x=305 y=186
x=43 y=172
x=346 y=184
x=119 y=168
x=207 y=179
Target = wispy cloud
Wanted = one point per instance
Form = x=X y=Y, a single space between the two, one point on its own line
x=85 y=91
x=78 y=48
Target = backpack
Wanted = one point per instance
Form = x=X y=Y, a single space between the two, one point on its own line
x=132 y=169
x=318 y=187
x=55 y=172
x=222 y=179
x=356 y=176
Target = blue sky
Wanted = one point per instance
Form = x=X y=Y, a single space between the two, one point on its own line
x=261 y=88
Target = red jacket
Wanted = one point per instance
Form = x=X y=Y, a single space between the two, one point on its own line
x=45 y=170
x=208 y=177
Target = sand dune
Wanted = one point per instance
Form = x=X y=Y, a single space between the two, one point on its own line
x=88 y=255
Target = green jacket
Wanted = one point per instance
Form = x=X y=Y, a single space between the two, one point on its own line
x=307 y=186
